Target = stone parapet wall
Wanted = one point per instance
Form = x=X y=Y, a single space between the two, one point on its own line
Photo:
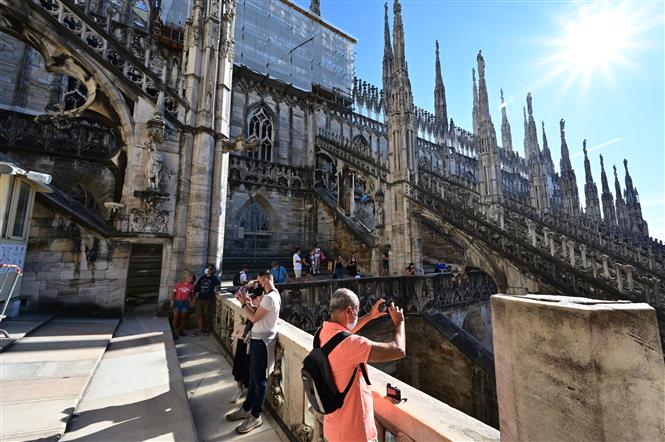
x=421 y=418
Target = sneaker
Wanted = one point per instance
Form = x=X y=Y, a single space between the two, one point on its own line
x=198 y=333
x=238 y=393
x=205 y=333
x=237 y=415
x=250 y=423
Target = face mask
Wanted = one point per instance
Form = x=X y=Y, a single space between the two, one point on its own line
x=352 y=325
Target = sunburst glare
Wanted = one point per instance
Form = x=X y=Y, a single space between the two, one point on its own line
x=595 y=40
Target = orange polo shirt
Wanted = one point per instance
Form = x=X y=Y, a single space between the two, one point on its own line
x=355 y=420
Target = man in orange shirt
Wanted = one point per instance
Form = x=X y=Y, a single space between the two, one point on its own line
x=354 y=421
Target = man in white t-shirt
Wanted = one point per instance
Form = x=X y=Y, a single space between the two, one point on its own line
x=264 y=315
x=244 y=274
x=297 y=264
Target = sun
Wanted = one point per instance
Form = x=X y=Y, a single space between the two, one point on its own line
x=595 y=40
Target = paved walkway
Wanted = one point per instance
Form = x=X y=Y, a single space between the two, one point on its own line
x=210 y=385
x=19 y=327
x=137 y=392
x=44 y=375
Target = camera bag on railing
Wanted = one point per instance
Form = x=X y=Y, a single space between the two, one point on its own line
x=317 y=377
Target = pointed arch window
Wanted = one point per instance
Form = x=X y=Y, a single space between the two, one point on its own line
x=260 y=125
x=254 y=219
x=360 y=143
x=256 y=229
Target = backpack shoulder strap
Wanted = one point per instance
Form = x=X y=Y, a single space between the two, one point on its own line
x=334 y=341
x=317 y=339
x=363 y=369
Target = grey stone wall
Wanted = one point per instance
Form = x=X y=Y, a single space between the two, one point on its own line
x=24 y=83
x=72 y=270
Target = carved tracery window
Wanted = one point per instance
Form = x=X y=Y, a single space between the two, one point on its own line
x=254 y=219
x=260 y=125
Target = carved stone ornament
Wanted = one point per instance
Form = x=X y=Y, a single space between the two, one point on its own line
x=304 y=433
x=148 y=220
x=56 y=116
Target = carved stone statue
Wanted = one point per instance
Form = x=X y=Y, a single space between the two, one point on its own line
x=154 y=165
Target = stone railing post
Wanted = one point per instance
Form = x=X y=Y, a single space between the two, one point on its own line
x=606 y=270
x=583 y=254
x=552 y=246
x=532 y=233
x=594 y=266
x=571 y=252
x=614 y=394
x=564 y=246
x=618 y=268
x=630 y=283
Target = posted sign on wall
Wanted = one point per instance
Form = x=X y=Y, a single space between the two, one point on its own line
x=12 y=253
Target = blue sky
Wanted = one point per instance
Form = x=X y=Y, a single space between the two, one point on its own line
x=535 y=46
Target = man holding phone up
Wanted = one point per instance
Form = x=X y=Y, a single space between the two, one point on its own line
x=354 y=421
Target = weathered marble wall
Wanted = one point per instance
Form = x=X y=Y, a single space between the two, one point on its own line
x=24 y=83
x=71 y=269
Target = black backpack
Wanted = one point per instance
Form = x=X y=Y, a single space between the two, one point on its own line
x=236 y=280
x=317 y=376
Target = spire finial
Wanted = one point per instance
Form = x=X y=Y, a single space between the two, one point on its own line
x=315 y=7
x=501 y=90
x=584 y=147
x=625 y=164
x=562 y=126
x=602 y=163
x=529 y=104
x=615 y=172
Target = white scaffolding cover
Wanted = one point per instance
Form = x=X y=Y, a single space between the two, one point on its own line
x=274 y=37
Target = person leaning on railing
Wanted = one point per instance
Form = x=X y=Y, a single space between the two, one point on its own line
x=354 y=421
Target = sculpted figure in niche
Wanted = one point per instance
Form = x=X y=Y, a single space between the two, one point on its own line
x=154 y=165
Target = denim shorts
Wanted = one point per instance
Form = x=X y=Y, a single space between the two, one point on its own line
x=181 y=306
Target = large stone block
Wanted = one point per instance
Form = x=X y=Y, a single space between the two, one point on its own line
x=577 y=369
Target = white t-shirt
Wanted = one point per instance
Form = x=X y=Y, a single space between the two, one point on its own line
x=297 y=263
x=268 y=324
x=243 y=277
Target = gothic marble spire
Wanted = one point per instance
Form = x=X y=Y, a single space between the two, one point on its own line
x=483 y=99
x=570 y=194
x=489 y=162
x=547 y=155
x=387 y=59
x=440 y=108
x=633 y=205
x=398 y=38
x=609 y=215
x=506 y=135
x=474 y=114
x=590 y=189
x=622 y=216
x=532 y=132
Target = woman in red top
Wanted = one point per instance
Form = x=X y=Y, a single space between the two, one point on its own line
x=183 y=295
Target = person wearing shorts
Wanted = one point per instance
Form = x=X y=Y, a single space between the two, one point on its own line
x=183 y=295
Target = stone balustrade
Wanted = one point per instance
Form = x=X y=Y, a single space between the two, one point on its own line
x=128 y=52
x=246 y=170
x=305 y=304
x=536 y=233
x=421 y=418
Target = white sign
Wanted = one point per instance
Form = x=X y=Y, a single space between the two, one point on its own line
x=12 y=253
